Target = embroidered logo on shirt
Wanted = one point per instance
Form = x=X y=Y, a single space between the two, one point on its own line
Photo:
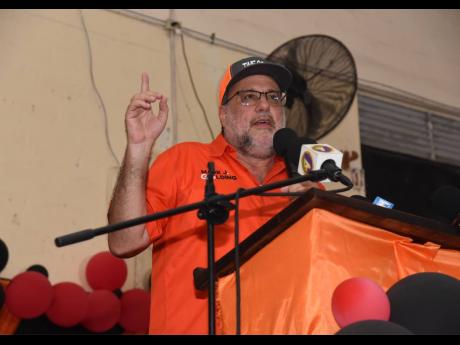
x=219 y=175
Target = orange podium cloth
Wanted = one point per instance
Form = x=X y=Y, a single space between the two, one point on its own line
x=286 y=288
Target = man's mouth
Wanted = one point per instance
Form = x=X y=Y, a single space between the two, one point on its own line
x=263 y=123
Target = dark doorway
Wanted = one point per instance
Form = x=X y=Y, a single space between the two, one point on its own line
x=406 y=181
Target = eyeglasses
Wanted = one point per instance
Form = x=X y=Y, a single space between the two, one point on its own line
x=252 y=97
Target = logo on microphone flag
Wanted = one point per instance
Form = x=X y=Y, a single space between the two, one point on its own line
x=322 y=148
x=307 y=162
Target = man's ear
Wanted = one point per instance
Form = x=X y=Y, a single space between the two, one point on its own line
x=222 y=113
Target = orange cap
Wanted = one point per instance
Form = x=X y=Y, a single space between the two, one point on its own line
x=251 y=66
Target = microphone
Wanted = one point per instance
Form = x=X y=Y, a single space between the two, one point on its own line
x=209 y=189
x=322 y=156
x=445 y=202
x=287 y=145
x=304 y=155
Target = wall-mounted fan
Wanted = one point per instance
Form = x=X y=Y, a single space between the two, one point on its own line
x=324 y=84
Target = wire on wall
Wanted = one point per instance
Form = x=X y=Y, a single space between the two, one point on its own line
x=93 y=83
x=193 y=85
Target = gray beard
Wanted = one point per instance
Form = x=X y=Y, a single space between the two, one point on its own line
x=245 y=145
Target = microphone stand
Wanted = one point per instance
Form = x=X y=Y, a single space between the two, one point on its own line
x=87 y=234
x=214 y=208
x=214 y=213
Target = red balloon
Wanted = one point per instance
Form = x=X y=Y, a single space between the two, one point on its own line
x=135 y=311
x=69 y=306
x=106 y=272
x=358 y=299
x=29 y=295
x=2 y=296
x=103 y=311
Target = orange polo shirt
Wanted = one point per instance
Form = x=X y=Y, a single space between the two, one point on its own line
x=176 y=178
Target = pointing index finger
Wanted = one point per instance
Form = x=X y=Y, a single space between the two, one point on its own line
x=145 y=82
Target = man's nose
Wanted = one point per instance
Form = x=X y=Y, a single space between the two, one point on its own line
x=262 y=103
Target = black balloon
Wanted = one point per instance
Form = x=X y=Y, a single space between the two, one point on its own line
x=426 y=303
x=39 y=269
x=374 y=327
x=3 y=255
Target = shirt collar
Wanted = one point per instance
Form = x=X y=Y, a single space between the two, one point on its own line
x=219 y=145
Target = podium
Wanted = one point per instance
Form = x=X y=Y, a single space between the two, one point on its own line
x=291 y=265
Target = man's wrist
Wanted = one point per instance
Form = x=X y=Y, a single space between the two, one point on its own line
x=139 y=151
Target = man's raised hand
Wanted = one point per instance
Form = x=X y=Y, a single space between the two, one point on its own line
x=143 y=125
